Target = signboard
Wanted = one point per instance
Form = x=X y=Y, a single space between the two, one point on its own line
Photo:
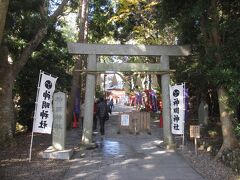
x=194 y=131
x=43 y=112
x=125 y=120
x=177 y=109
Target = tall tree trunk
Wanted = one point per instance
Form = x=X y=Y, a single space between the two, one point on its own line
x=8 y=73
x=3 y=14
x=74 y=90
x=77 y=79
x=6 y=103
x=229 y=139
x=212 y=38
x=6 y=83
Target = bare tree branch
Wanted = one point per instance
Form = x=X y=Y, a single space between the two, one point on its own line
x=43 y=10
x=58 y=11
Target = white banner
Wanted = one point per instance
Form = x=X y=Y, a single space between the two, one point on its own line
x=177 y=108
x=44 y=113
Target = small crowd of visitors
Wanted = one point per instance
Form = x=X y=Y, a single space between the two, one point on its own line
x=102 y=109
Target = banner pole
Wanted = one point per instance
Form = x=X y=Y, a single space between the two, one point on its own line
x=184 y=115
x=183 y=136
x=195 y=145
x=30 y=150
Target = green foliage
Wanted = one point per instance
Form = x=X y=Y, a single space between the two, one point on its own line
x=202 y=71
x=51 y=57
x=237 y=130
x=24 y=19
x=100 y=11
x=135 y=20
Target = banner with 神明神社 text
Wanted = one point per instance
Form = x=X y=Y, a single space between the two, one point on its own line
x=43 y=112
x=177 y=108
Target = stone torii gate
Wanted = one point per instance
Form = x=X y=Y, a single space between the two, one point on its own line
x=94 y=50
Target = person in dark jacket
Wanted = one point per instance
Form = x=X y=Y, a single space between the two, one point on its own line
x=110 y=106
x=94 y=116
x=102 y=114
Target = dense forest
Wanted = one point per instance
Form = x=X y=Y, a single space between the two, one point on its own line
x=34 y=36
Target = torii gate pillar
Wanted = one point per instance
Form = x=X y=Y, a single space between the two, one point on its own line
x=165 y=82
x=89 y=100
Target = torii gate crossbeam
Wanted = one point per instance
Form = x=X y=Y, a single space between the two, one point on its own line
x=128 y=49
x=94 y=50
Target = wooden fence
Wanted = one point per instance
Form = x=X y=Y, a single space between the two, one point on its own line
x=134 y=122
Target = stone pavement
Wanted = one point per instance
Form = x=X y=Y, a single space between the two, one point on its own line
x=128 y=157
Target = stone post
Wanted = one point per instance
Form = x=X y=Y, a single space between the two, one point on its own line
x=165 y=82
x=59 y=123
x=203 y=113
x=57 y=150
x=89 y=100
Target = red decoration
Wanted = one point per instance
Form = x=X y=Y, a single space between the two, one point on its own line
x=74 y=120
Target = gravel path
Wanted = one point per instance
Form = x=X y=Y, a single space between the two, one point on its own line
x=205 y=164
x=14 y=162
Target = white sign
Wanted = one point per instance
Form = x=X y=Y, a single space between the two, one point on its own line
x=194 y=131
x=125 y=120
x=177 y=108
x=43 y=113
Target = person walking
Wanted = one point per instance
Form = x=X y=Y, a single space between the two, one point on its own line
x=95 y=116
x=111 y=106
x=102 y=114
